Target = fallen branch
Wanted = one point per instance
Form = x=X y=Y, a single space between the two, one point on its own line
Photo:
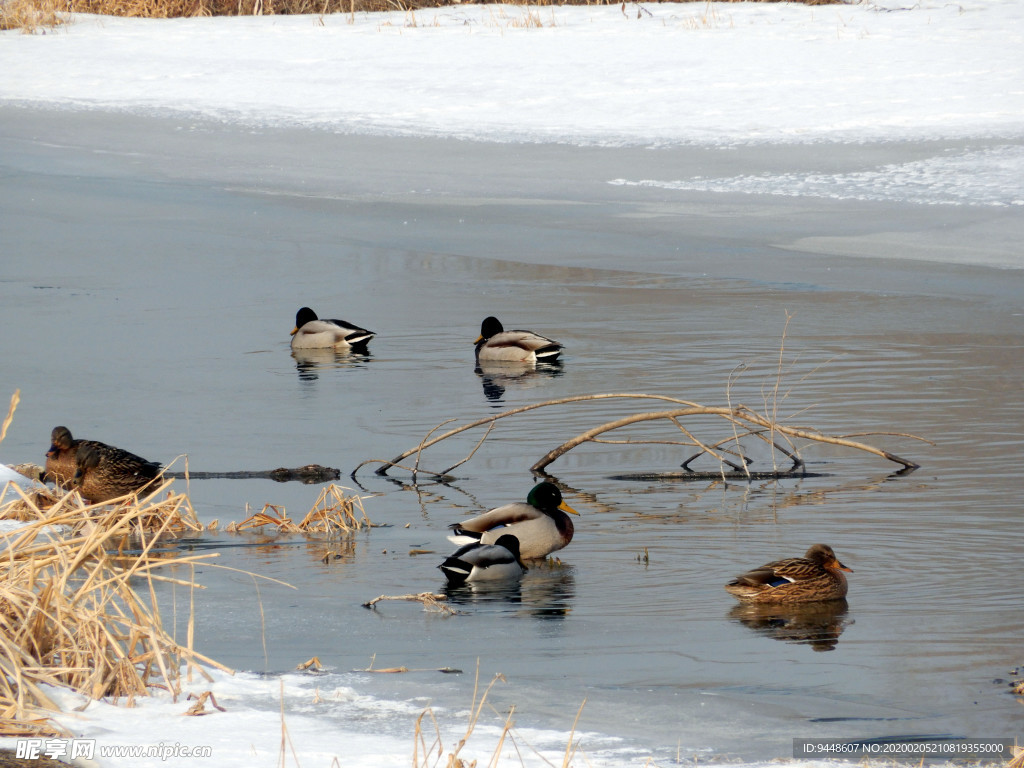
x=491 y=419
x=743 y=421
x=741 y=414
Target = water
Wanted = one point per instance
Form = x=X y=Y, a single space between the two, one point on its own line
x=148 y=299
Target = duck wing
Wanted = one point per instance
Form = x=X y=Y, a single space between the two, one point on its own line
x=780 y=572
x=518 y=345
x=330 y=333
x=480 y=561
x=498 y=517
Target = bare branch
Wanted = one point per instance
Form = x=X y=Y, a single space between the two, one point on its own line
x=522 y=409
x=635 y=418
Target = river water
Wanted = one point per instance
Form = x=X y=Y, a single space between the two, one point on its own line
x=152 y=270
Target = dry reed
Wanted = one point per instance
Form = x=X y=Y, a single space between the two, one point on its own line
x=38 y=15
x=157 y=510
x=333 y=513
x=427 y=755
x=32 y=16
x=70 y=610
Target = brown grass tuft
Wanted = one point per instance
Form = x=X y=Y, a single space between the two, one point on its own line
x=69 y=610
x=157 y=510
x=38 y=15
x=428 y=754
x=32 y=16
x=333 y=513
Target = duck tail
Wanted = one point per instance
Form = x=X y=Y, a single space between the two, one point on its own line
x=455 y=570
x=462 y=537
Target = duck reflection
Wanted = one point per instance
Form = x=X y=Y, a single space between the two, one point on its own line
x=816 y=624
x=546 y=591
x=498 y=375
x=549 y=589
x=483 y=592
x=309 y=362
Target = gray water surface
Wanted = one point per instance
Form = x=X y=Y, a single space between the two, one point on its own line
x=151 y=273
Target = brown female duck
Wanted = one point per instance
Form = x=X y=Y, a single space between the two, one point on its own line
x=60 y=458
x=814 y=577
x=105 y=472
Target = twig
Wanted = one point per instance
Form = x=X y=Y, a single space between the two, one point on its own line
x=567 y=446
x=419 y=450
x=445 y=472
x=707 y=449
x=429 y=600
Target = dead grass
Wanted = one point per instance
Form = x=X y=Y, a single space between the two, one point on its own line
x=333 y=513
x=78 y=612
x=38 y=16
x=158 y=510
x=70 y=613
x=430 y=750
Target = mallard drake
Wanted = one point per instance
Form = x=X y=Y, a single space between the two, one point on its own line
x=485 y=562
x=104 y=472
x=495 y=343
x=311 y=332
x=815 y=576
x=540 y=523
x=60 y=458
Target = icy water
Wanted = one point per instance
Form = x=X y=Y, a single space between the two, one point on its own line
x=146 y=298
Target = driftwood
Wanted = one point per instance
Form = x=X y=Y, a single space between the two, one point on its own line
x=741 y=421
x=741 y=416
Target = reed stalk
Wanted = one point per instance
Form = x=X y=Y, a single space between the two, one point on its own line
x=78 y=603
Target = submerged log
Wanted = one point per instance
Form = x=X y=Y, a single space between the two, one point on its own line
x=309 y=474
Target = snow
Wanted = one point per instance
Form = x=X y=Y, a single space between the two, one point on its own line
x=639 y=74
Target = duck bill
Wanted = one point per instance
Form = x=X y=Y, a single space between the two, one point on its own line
x=564 y=506
x=294 y=331
x=52 y=453
x=842 y=567
x=478 y=339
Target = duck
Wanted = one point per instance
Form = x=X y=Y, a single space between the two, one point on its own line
x=311 y=332
x=500 y=561
x=495 y=343
x=104 y=472
x=61 y=457
x=540 y=524
x=815 y=577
